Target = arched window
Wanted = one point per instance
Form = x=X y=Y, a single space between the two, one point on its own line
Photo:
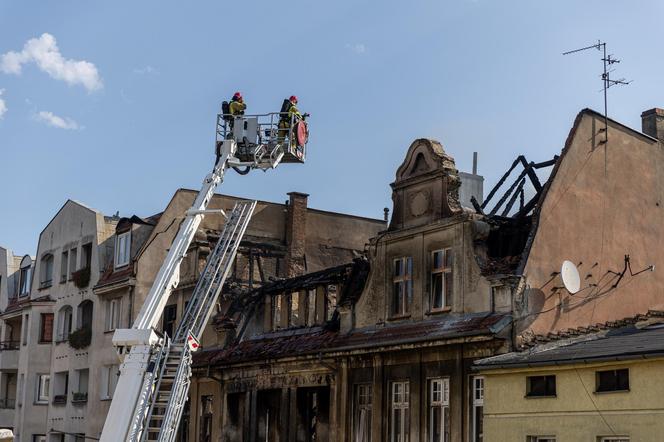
x=46 y=271
x=64 y=323
x=84 y=314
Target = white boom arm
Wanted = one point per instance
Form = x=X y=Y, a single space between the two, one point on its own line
x=136 y=344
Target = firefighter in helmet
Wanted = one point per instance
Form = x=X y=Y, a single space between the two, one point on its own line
x=237 y=105
x=289 y=112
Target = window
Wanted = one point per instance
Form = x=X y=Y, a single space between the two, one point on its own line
x=80 y=394
x=439 y=410
x=43 y=384
x=73 y=257
x=109 y=379
x=64 y=323
x=122 y=247
x=24 y=285
x=399 y=416
x=311 y=307
x=477 y=412
x=362 y=413
x=113 y=308
x=206 y=418
x=541 y=386
x=402 y=286
x=46 y=328
x=60 y=387
x=294 y=309
x=612 y=380
x=330 y=301
x=25 y=326
x=169 y=318
x=46 y=271
x=277 y=305
x=63 y=266
x=613 y=439
x=441 y=279
x=84 y=314
x=38 y=438
x=541 y=439
x=86 y=255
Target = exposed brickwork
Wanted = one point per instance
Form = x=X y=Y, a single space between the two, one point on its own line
x=296 y=228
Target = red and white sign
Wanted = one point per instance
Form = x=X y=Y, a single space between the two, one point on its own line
x=193 y=343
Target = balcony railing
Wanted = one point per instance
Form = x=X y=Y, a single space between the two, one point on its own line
x=7 y=403
x=60 y=399
x=9 y=345
x=79 y=397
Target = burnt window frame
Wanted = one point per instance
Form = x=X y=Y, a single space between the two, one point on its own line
x=547 y=378
x=621 y=385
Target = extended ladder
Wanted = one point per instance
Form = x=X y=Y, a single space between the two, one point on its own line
x=172 y=366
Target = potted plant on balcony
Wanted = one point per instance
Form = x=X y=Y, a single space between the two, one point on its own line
x=80 y=338
x=81 y=277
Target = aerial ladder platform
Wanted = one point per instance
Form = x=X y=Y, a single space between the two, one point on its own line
x=155 y=373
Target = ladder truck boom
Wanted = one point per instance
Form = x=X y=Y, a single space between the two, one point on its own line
x=155 y=372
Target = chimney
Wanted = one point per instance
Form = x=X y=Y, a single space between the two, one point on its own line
x=296 y=234
x=652 y=123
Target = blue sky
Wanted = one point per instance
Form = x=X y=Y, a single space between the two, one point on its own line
x=126 y=114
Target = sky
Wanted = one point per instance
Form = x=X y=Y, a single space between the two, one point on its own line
x=114 y=103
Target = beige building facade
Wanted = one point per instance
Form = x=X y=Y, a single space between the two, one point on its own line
x=594 y=387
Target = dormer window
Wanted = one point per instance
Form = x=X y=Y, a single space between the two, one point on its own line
x=441 y=280
x=402 y=286
x=277 y=305
x=26 y=277
x=122 y=249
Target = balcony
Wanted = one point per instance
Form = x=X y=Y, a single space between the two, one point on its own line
x=9 y=355
x=60 y=399
x=79 y=398
x=7 y=403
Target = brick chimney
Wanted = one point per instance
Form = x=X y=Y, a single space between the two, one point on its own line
x=296 y=233
x=652 y=123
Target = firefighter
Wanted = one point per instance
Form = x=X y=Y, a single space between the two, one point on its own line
x=289 y=112
x=237 y=105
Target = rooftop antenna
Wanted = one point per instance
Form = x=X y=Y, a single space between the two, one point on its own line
x=606 y=79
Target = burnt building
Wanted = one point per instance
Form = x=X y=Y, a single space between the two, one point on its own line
x=376 y=349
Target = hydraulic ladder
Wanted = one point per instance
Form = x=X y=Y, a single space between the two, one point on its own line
x=173 y=364
x=155 y=371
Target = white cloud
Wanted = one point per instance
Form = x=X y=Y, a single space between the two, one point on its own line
x=358 y=48
x=3 y=105
x=44 y=52
x=146 y=70
x=55 y=121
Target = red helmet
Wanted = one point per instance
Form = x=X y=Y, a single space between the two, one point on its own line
x=293 y=98
x=237 y=96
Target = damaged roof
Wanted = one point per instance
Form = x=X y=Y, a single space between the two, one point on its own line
x=625 y=343
x=304 y=341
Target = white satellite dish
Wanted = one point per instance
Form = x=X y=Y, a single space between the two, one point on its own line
x=570 y=276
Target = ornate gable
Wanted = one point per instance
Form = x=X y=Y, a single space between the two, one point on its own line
x=426 y=188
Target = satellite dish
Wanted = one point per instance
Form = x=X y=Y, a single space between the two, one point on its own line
x=570 y=276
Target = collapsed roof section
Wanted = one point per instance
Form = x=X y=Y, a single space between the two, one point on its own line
x=509 y=226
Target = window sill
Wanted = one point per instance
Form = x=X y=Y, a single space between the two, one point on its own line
x=108 y=331
x=611 y=391
x=105 y=399
x=541 y=397
x=40 y=403
x=120 y=266
x=439 y=311
x=399 y=317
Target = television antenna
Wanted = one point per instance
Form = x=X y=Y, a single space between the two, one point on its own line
x=607 y=81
